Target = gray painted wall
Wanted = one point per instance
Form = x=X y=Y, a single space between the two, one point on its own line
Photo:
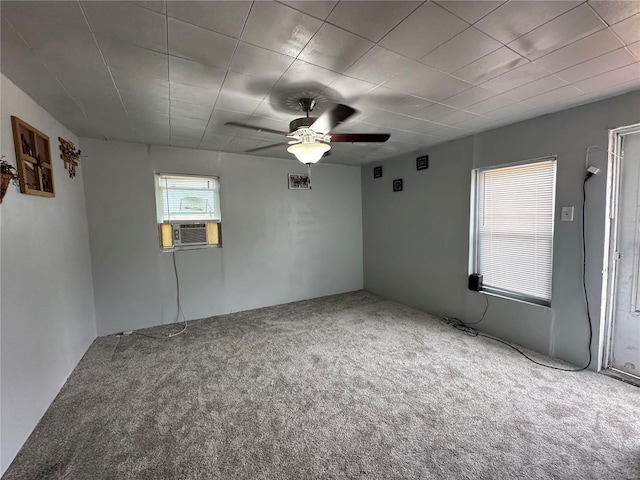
x=279 y=245
x=47 y=320
x=416 y=245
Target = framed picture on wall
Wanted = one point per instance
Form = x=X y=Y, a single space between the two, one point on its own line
x=422 y=163
x=377 y=171
x=299 y=181
x=397 y=185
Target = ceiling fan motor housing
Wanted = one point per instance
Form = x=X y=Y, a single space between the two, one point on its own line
x=304 y=122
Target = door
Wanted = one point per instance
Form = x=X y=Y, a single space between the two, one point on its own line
x=623 y=357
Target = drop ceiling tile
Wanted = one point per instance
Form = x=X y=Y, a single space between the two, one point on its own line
x=628 y=30
x=563 y=30
x=615 y=11
x=155 y=5
x=382 y=98
x=187 y=122
x=305 y=76
x=554 y=97
x=610 y=79
x=220 y=117
x=318 y=9
x=137 y=60
x=589 y=47
x=368 y=67
x=256 y=61
x=93 y=77
x=40 y=20
x=150 y=139
x=237 y=103
x=127 y=23
x=538 y=87
x=409 y=105
x=426 y=82
x=464 y=48
x=371 y=20
x=199 y=44
x=468 y=97
x=474 y=125
x=223 y=17
x=490 y=66
x=193 y=110
x=348 y=89
x=194 y=73
x=596 y=66
x=279 y=28
x=423 y=31
x=133 y=103
x=328 y=48
x=192 y=94
x=635 y=49
x=470 y=11
x=150 y=120
x=514 y=78
x=434 y=112
x=249 y=86
x=185 y=142
x=400 y=122
x=490 y=104
x=187 y=132
x=514 y=19
x=213 y=141
x=267 y=114
x=457 y=117
x=139 y=84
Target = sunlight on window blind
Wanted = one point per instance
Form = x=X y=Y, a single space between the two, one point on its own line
x=515 y=228
x=189 y=198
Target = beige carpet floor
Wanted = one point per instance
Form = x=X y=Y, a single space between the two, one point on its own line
x=343 y=387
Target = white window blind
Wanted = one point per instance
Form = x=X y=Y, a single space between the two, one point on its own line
x=515 y=229
x=188 y=198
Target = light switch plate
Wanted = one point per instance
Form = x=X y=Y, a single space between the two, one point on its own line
x=567 y=214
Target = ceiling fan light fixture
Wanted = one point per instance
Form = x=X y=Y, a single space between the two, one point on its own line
x=309 y=152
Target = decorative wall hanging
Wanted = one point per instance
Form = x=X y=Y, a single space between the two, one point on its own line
x=422 y=163
x=299 y=181
x=8 y=174
x=377 y=172
x=397 y=185
x=33 y=158
x=70 y=154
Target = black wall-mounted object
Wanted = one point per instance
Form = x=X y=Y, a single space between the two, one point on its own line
x=397 y=185
x=475 y=282
x=422 y=163
x=377 y=172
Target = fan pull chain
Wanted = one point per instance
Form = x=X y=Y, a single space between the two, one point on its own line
x=309 y=167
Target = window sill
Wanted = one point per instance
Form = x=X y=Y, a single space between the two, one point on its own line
x=527 y=301
x=188 y=247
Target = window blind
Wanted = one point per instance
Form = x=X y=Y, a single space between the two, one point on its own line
x=187 y=198
x=515 y=229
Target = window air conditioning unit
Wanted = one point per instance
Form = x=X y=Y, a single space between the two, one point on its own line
x=189 y=233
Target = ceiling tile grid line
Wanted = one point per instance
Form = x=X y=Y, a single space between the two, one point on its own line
x=46 y=66
x=84 y=15
x=430 y=71
x=225 y=77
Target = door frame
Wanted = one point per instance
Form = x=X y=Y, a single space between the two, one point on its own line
x=615 y=158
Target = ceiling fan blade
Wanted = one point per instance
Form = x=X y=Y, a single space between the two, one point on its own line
x=265 y=147
x=256 y=128
x=332 y=118
x=360 y=137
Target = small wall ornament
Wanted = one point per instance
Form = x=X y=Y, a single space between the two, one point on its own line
x=8 y=174
x=70 y=154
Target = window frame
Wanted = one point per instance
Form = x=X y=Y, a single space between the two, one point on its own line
x=160 y=221
x=474 y=230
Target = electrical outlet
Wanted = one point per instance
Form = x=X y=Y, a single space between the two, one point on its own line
x=567 y=214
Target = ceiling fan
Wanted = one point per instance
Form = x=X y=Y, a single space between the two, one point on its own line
x=310 y=136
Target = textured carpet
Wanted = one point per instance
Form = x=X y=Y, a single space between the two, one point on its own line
x=347 y=386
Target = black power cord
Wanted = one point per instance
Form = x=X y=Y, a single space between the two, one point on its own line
x=467 y=329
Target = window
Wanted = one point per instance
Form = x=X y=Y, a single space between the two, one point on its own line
x=512 y=232
x=188 y=209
